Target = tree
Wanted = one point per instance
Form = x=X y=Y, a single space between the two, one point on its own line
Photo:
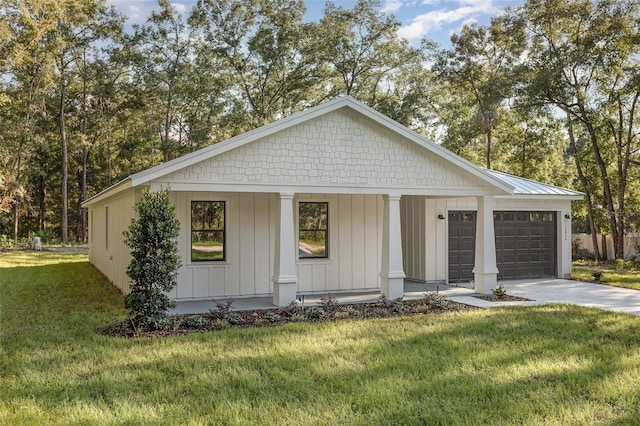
x=582 y=61
x=365 y=58
x=154 y=259
x=258 y=49
x=477 y=67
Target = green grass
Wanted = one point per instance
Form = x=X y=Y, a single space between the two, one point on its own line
x=550 y=364
x=610 y=275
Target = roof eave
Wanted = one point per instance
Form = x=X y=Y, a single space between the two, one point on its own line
x=109 y=192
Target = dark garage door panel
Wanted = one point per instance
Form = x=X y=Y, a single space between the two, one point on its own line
x=462 y=245
x=525 y=244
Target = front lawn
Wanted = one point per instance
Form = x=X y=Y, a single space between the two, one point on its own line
x=549 y=364
x=611 y=274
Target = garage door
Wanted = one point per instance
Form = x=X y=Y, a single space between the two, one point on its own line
x=462 y=245
x=525 y=244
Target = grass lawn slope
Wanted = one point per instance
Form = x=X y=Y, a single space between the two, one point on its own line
x=537 y=365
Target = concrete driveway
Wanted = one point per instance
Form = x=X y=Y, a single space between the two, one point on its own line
x=566 y=291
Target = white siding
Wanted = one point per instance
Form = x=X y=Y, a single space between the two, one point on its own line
x=355 y=233
x=108 y=219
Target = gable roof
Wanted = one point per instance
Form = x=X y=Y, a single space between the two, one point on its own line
x=295 y=119
x=146 y=176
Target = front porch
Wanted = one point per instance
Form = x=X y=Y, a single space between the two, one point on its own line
x=412 y=291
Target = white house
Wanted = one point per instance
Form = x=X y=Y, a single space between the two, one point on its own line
x=338 y=198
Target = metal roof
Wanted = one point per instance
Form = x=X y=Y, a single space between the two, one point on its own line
x=530 y=187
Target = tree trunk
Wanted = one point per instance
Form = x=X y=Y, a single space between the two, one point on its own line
x=488 y=129
x=65 y=162
x=587 y=192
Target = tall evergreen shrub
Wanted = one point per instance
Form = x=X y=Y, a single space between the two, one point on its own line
x=155 y=261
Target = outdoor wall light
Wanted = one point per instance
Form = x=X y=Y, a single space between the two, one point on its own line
x=566 y=216
x=441 y=216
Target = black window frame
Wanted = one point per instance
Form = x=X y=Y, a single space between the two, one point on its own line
x=324 y=230
x=222 y=230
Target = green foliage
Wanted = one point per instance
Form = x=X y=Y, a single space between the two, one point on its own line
x=47 y=237
x=329 y=303
x=221 y=310
x=434 y=300
x=272 y=317
x=155 y=261
x=499 y=292
x=314 y=312
x=195 y=321
x=234 y=319
x=597 y=275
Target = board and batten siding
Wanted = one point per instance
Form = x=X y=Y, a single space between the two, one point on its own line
x=108 y=219
x=422 y=228
x=355 y=237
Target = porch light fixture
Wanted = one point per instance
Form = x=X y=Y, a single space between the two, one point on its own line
x=441 y=216
x=567 y=216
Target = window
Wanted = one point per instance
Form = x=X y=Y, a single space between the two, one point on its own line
x=313 y=220
x=207 y=231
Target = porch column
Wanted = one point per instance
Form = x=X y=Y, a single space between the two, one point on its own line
x=392 y=269
x=485 y=271
x=285 y=278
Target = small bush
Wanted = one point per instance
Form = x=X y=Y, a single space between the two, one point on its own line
x=272 y=317
x=435 y=300
x=234 y=319
x=397 y=306
x=221 y=310
x=314 y=312
x=47 y=237
x=352 y=312
x=6 y=242
x=597 y=275
x=499 y=292
x=329 y=303
x=195 y=321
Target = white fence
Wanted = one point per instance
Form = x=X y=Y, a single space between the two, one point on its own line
x=631 y=243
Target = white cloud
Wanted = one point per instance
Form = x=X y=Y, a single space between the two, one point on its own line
x=391 y=6
x=464 y=10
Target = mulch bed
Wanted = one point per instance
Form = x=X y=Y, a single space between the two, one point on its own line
x=505 y=298
x=224 y=318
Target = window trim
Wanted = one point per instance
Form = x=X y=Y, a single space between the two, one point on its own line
x=224 y=232
x=327 y=230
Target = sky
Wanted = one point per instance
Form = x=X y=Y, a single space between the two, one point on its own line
x=433 y=19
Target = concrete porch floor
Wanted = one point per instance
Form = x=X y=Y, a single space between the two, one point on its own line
x=412 y=290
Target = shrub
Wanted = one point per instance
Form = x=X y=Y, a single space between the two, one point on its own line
x=397 y=306
x=195 y=321
x=272 y=317
x=314 y=312
x=6 y=242
x=234 y=319
x=221 y=310
x=435 y=300
x=329 y=303
x=154 y=260
x=47 y=237
x=499 y=292
x=597 y=275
